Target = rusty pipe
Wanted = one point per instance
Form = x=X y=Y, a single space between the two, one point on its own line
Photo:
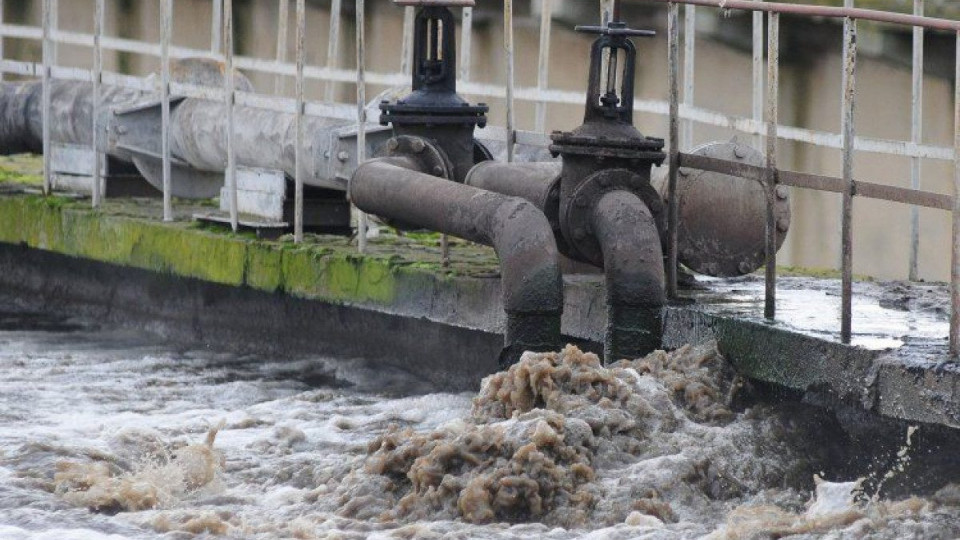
x=531 y=282
x=634 y=274
x=537 y=182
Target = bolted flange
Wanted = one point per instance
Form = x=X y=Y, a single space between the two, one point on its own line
x=430 y=158
x=722 y=218
x=576 y=211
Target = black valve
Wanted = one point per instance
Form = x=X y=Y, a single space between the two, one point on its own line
x=434 y=111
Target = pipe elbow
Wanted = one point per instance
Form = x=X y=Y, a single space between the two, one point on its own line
x=525 y=244
x=632 y=253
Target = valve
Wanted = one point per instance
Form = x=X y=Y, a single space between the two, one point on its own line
x=433 y=110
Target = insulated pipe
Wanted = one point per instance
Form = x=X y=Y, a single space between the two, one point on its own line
x=633 y=268
x=71 y=104
x=531 y=282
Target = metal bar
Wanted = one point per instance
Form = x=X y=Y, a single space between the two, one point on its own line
x=607 y=9
x=54 y=25
x=229 y=101
x=826 y=11
x=47 y=44
x=166 y=21
x=216 y=25
x=543 y=60
x=97 y=81
x=298 y=151
x=916 y=136
x=673 y=63
x=955 y=262
x=773 y=97
x=1 y=37
x=868 y=190
x=757 y=96
x=361 y=115
x=689 y=59
x=466 y=43
x=406 y=50
x=333 y=46
x=283 y=16
x=508 y=46
x=848 y=131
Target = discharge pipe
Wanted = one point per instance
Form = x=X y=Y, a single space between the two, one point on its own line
x=531 y=282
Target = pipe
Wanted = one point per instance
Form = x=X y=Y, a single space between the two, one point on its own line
x=71 y=104
x=633 y=268
x=531 y=282
x=536 y=182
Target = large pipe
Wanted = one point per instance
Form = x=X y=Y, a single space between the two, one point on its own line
x=633 y=268
x=71 y=104
x=537 y=182
x=531 y=282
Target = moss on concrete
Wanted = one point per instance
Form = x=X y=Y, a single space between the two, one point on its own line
x=325 y=267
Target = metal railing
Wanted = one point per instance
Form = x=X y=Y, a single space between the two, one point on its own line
x=679 y=107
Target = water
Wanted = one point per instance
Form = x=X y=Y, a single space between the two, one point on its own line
x=109 y=434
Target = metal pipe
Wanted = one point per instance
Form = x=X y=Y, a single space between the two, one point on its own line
x=848 y=132
x=689 y=63
x=298 y=151
x=46 y=98
x=333 y=46
x=97 y=81
x=216 y=22
x=757 y=94
x=773 y=97
x=508 y=46
x=466 y=43
x=537 y=182
x=955 y=262
x=406 y=49
x=531 y=282
x=230 y=102
x=634 y=274
x=283 y=16
x=361 y=114
x=826 y=11
x=916 y=136
x=673 y=213
x=543 y=61
x=166 y=22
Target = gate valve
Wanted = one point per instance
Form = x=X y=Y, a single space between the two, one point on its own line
x=434 y=110
x=607 y=152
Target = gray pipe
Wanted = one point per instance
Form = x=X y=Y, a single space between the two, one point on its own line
x=71 y=103
x=633 y=267
x=531 y=283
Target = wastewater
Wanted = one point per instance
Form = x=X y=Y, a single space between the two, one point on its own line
x=114 y=434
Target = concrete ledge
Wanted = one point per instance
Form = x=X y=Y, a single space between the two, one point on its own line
x=398 y=307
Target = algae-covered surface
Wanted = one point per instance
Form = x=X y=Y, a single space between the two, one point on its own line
x=131 y=232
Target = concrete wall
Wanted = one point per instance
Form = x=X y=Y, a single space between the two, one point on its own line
x=810 y=97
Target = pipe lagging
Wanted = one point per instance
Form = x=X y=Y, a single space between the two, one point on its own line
x=634 y=274
x=531 y=282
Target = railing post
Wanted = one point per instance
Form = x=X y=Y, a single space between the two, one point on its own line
x=508 y=46
x=406 y=49
x=916 y=136
x=229 y=102
x=955 y=262
x=466 y=42
x=333 y=45
x=298 y=151
x=216 y=26
x=283 y=16
x=757 y=95
x=848 y=133
x=1 y=39
x=361 y=114
x=689 y=65
x=673 y=66
x=543 y=61
x=47 y=51
x=166 y=21
x=97 y=81
x=773 y=99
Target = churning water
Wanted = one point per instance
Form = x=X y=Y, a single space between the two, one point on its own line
x=109 y=435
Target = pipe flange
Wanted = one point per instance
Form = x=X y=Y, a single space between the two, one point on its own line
x=576 y=212
x=430 y=158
